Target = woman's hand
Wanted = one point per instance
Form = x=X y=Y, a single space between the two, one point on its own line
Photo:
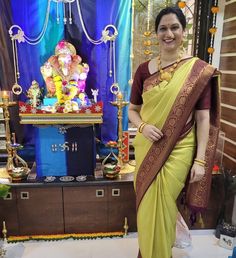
x=197 y=173
x=152 y=133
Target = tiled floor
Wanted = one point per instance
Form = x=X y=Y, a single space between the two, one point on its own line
x=204 y=245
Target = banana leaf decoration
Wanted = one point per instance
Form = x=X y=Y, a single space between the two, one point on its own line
x=4 y=190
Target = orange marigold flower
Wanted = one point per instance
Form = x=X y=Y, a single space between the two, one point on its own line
x=213 y=30
x=181 y=4
x=210 y=50
x=215 y=9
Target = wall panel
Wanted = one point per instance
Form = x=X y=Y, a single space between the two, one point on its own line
x=228 y=62
x=229 y=28
x=230 y=131
x=228 y=114
x=228 y=97
x=228 y=46
x=228 y=80
x=230 y=10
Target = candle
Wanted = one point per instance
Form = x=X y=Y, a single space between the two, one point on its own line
x=5 y=94
x=14 y=138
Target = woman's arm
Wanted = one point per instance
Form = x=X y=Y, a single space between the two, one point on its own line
x=134 y=114
x=149 y=131
x=202 y=118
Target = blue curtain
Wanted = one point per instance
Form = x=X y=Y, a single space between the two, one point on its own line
x=30 y=16
x=97 y=14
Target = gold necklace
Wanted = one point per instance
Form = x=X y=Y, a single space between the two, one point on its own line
x=167 y=75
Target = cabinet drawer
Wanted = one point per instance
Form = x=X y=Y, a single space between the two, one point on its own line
x=85 y=194
x=40 y=210
x=85 y=209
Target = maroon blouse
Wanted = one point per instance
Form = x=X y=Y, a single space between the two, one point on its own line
x=142 y=73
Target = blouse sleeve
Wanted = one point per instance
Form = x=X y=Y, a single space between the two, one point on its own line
x=137 y=87
x=204 y=101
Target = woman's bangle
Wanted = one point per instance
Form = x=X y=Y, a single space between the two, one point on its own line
x=200 y=164
x=141 y=126
x=200 y=161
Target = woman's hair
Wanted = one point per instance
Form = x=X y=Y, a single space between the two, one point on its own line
x=175 y=10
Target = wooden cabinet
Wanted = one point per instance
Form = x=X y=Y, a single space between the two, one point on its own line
x=100 y=208
x=57 y=208
x=40 y=210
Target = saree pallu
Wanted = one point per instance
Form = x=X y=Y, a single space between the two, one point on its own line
x=162 y=167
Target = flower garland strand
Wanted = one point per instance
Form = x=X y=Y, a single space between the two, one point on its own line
x=213 y=30
x=57 y=237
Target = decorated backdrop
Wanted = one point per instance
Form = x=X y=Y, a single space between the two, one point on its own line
x=39 y=21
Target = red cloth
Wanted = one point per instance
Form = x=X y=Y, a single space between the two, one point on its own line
x=142 y=73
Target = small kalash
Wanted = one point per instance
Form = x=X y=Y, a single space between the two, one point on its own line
x=64 y=117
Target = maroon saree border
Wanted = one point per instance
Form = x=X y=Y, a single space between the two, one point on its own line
x=158 y=153
x=198 y=193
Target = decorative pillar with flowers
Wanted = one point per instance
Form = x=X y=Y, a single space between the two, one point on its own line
x=205 y=29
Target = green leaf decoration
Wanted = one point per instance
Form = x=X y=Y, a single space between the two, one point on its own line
x=4 y=190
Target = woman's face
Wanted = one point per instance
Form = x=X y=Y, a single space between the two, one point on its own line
x=170 y=33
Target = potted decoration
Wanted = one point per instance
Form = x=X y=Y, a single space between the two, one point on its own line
x=110 y=165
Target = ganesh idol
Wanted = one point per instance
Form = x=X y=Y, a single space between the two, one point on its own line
x=65 y=75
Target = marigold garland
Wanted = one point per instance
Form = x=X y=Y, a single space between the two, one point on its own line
x=57 y=237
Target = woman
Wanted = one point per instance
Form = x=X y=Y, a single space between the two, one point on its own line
x=170 y=94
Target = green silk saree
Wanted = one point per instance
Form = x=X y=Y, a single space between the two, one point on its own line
x=162 y=167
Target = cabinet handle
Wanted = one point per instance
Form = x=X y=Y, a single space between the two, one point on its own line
x=115 y=192
x=24 y=195
x=8 y=197
x=100 y=193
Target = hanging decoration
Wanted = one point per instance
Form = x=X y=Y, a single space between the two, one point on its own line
x=109 y=34
x=213 y=30
x=63 y=2
x=147 y=42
